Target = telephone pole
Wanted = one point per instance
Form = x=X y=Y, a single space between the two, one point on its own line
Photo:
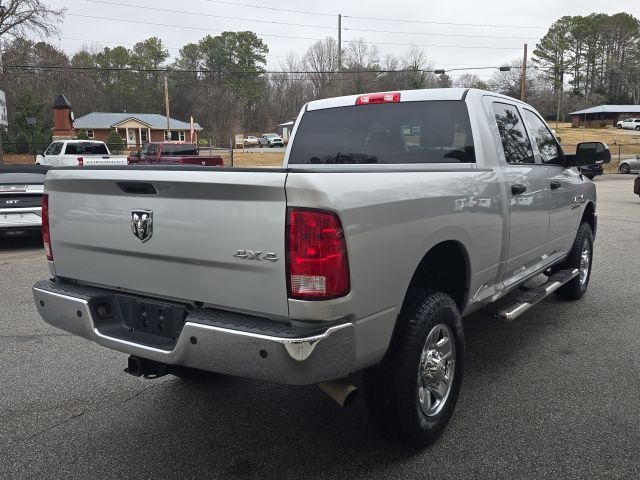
x=523 y=78
x=166 y=103
x=560 y=85
x=339 y=54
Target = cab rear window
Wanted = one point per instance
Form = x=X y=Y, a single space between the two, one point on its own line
x=179 y=149
x=390 y=133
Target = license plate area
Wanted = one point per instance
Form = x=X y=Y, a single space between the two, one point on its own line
x=160 y=319
x=135 y=318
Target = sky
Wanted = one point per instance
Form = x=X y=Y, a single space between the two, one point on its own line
x=453 y=34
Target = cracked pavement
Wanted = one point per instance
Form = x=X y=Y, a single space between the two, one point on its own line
x=554 y=394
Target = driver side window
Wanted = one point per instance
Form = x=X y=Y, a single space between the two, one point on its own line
x=546 y=142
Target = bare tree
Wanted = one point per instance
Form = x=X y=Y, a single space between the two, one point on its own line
x=470 y=80
x=415 y=62
x=20 y=17
x=322 y=60
x=361 y=56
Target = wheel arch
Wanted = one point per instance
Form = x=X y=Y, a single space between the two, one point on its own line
x=589 y=216
x=444 y=267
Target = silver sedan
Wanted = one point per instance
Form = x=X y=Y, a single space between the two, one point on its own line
x=630 y=165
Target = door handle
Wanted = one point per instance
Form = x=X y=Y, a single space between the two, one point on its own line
x=555 y=184
x=518 y=188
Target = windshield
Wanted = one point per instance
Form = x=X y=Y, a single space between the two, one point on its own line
x=409 y=132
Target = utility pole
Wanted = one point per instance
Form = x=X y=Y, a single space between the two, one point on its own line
x=339 y=54
x=523 y=79
x=166 y=103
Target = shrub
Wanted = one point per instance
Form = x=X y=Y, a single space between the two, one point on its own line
x=22 y=143
x=115 y=142
x=8 y=145
x=82 y=135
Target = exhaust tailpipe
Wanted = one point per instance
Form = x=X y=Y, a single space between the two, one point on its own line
x=341 y=391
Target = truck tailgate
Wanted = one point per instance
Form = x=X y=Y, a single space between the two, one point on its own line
x=200 y=219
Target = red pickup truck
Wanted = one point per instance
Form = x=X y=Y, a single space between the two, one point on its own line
x=164 y=153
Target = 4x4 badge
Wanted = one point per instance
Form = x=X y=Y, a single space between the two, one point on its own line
x=142 y=224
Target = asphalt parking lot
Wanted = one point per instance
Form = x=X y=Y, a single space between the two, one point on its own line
x=553 y=395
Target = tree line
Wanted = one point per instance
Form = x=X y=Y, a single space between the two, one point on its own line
x=223 y=83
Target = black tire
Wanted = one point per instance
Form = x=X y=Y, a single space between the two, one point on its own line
x=193 y=374
x=624 y=168
x=576 y=288
x=391 y=388
x=638 y=129
x=620 y=126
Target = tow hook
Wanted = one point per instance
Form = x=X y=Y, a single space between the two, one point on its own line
x=141 y=367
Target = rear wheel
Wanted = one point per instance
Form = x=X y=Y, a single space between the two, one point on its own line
x=580 y=257
x=624 y=168
x=638 y=128
x=412 y=394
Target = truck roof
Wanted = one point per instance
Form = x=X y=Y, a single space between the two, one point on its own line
x=407 y=96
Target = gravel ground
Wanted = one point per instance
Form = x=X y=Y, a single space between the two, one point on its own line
x=554 y=394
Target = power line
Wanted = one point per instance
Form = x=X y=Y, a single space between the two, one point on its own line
x=184 y=26
x=437 y=46
x=305 y=12
x=200 y=14
x=443 y=23
x=435 y=34
x=104 y=42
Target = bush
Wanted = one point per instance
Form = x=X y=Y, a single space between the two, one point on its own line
x=115 y=142
x=22 y=143
x=8 y=145
x=82 y=135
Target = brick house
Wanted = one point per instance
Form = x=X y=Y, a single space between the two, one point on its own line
x=134 y=128
x=603 y=114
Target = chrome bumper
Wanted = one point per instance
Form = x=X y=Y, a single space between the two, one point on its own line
x=16 y=218
x=296 y=359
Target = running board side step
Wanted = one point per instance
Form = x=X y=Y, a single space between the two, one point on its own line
x=533 y=296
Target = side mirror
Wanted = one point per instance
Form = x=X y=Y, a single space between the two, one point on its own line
x=591 y=153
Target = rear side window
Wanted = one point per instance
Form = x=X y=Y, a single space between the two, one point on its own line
x=86 y=149
x=547 y=145
x=54 y=149
x=389 y=133
x=179 y=149
x=514 y=138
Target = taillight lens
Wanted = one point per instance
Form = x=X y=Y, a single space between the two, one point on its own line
x=46 y=237
x=317 y=265
x=389 y=97
x=80 y=161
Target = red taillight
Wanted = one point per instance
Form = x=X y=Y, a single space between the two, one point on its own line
x=389 y=97
x=80 y=161
x=46 y=237
x=317 y=265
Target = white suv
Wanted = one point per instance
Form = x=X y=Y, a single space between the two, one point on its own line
x=631 y=124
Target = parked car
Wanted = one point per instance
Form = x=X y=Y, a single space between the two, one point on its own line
x=630 y=165
x=271 y=140
x=21 y=188
x=394 y=215
x=71 y=153
x=251 y=141
x=631 y=124
x=178 y=153
x=636 y=185
x=620 y=122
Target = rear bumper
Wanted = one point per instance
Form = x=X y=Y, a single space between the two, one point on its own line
x=210 y=340
x=20 y=218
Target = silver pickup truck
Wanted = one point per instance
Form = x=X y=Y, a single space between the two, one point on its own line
x=393 y=216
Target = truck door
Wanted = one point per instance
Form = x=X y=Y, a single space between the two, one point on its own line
x=564 y=185
x=527 y=195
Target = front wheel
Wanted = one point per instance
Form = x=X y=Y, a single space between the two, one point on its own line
x=580 y=257
x=624 y=168
x=620 y=126
x=412 y=394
